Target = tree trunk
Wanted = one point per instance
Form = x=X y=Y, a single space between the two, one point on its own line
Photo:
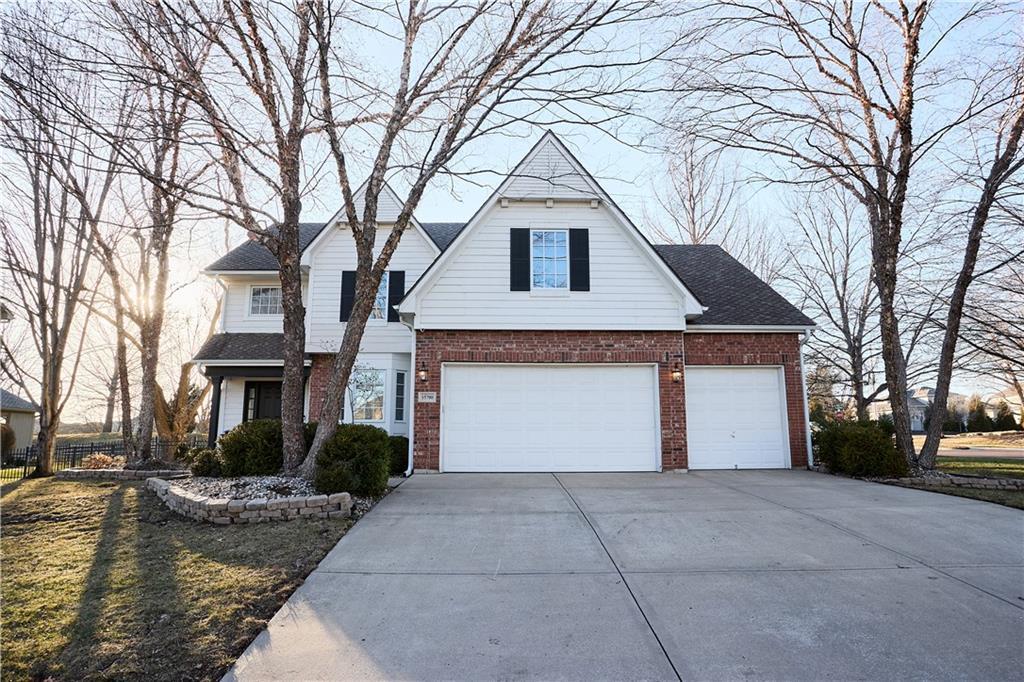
x=341 y=369
x=294 y=347
x=108 y=417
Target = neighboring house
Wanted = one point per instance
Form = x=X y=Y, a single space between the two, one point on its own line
x=546 y=334
x=1010 y=397
x=919 y=401
x=20 y=415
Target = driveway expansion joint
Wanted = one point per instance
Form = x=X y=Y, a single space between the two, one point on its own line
x=625 y=582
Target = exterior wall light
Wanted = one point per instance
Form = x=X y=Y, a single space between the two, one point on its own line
x=422 y=374
x=677 y=374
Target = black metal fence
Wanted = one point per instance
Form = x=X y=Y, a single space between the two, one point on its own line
x=18 y=464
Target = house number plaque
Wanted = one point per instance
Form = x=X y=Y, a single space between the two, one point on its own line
x=426 y=397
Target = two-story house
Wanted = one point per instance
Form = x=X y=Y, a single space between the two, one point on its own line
x=545 y=334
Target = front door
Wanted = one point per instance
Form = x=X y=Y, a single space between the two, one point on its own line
x=262 y=400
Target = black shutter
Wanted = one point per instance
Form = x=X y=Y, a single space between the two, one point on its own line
x=579 y=260
x=348 y=293
x=519 y=259
x=396 y=290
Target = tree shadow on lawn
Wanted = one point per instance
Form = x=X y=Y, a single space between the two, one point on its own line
x=163 y=597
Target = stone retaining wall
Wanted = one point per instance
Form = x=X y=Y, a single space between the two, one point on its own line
x=954 y=481
x=227 y=511
x=120 y=474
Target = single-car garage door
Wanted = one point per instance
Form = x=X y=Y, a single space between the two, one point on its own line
x=736 y=418
x=549 y=418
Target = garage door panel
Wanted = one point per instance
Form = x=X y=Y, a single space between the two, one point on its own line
x=549 y=418
x=735 y=418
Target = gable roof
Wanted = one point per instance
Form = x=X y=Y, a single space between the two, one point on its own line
x=732 y=294
x=13 y=403
x=571 y=174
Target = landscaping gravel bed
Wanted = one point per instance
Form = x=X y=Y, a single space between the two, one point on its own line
x=248 y=487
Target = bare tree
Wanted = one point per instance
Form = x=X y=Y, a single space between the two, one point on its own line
x=54 y=198
x=246 y=68
x=830 y=267
x=1000 y=191
x=830 y=91
x=704 y=205
x=466 y=70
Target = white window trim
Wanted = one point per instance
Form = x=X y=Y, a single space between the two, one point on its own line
x=250 y=315
x=384 y=399
x=564 y=291
x=385 y=281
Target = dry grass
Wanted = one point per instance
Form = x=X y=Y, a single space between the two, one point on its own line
x=1007 y=498
x=996 y=439
x=101 y=581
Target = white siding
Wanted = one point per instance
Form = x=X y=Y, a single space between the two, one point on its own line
x=548 y=174
x=335 y=254
x=231 y=395
x=235 y=306
x=627 y=291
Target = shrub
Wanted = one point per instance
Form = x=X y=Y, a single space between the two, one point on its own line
x=859 y=449
x=356 y=460
x=206 y=462
x=98 y=461
x=6 y=438
x=399 y=454
x=253 y=448
x=1004 y=419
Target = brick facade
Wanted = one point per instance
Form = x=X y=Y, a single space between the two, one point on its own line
x=665 y=349
x=319 y=372
x=760 y=349
x=435 y=347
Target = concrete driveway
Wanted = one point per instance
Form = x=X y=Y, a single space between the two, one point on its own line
x=713 y=575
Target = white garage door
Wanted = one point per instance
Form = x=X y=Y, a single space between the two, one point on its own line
x=549 y=418
x=736 y=418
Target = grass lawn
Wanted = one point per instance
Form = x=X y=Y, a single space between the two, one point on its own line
x=1008 y=498
x=100 y=580
x=88 y=437
x=982 y=466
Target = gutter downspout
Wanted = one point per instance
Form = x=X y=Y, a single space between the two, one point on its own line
x=412 y=401
x=807 y=413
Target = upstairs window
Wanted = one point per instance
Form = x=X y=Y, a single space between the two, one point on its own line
x=549 y=259
x=265 y=301
x=380 y=303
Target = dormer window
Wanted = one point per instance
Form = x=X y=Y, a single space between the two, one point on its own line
x=265 y=301
x=549 y=259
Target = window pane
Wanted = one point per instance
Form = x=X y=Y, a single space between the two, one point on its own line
x=400 y=396
x=380 y=303
x=366 y=389
x=550 y=259
x=265 y=301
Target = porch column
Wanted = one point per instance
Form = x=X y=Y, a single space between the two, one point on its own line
x=211 y=439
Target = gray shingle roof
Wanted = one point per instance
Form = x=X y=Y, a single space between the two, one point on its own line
x=9 y=401
x=732 y=294
x=253 y=256
x=237 y=346
x=443 y=234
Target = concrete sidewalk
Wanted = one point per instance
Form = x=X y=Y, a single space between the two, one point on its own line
x=714 y=575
